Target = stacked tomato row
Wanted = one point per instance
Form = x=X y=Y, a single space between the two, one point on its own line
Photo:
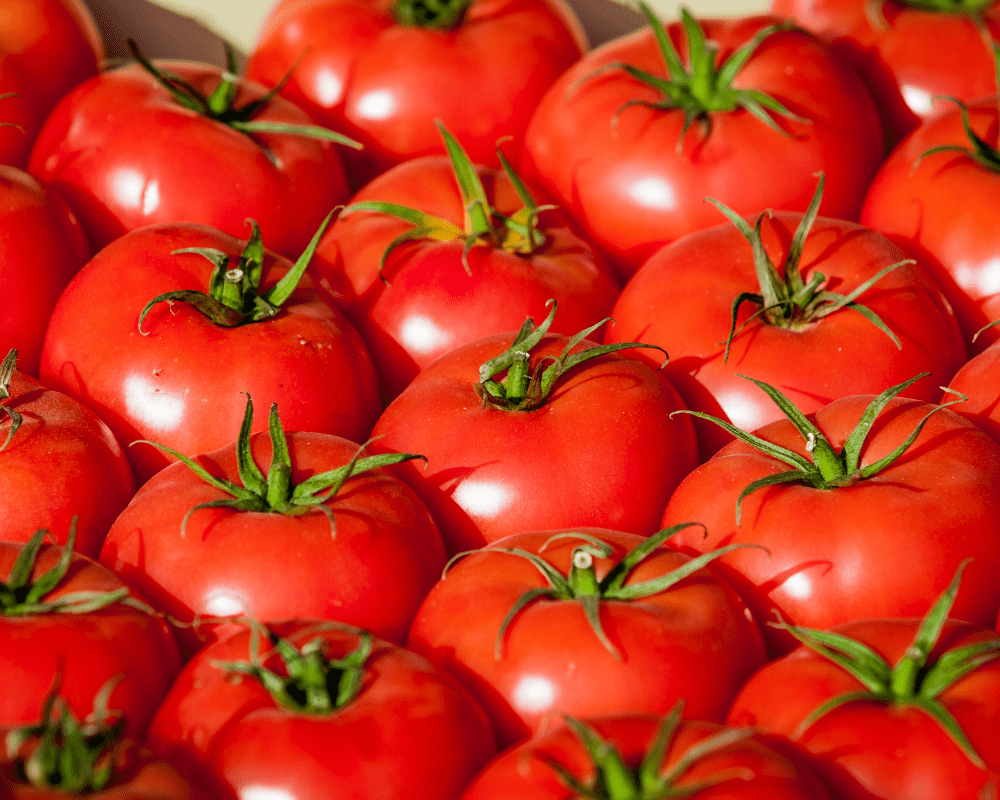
x=478 y=540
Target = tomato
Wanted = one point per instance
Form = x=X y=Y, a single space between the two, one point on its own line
x=601 y=450
x=67 y=621
x=46 y=48
x=435 y=293
x=42 y=247
x=682 y=299
x=178 y=381
x=979 y=382
x=530 y=661
x=632 y=167
x=60 y=465
x=125 y=154
x=357 y=67
x=401 y=728
x=938 y=206
x=701 y=760
x=366 y=555
x=909 y=54
x=860 y=547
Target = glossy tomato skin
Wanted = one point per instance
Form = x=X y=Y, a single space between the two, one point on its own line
x=681 y=299
x=62 y=463
x=412 y=731
x=885 y=546
x=126 y=155
x=621 y=177
x=47 y=47
x=602 y=451
x=695 y=641
x=358 y=71
x=430 y=304
x=83 y=651
x=867 y=749
x=938 y=206
x=372 y=569
x=749 y=770
x=182 y=384
x=908 y=57
x=979 y=381
x=42 y=246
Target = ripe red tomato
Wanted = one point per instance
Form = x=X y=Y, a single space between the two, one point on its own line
x=584 y=649
x=908 y=53
x=401 y=726
x=179 y=381
x=634 y=174
x=359 y=67
x=124 y=154
x=979 y=381
x=366 y=557
x=940 y=207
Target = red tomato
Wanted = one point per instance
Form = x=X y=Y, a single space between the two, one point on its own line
x=410 y=731
x=979 y=381
x=697 y=764
x=46 y=48
x=181 y=384
x=125 y=155
x=55 y=638
x=369 y=563
x=42 y=246
x=940 y=207
x=602 y=451
x=694 y=641
x=681 y=299
x=62 y=463
x=430 y=304
x=881 y=546
x=600 y=147
x=909 y=54
x=357 y=69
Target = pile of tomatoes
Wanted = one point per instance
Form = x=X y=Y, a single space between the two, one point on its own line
x=445 y=409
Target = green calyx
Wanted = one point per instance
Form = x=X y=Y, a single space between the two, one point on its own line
x=63 y=753
x=614 y=779
x=792 y=302
x=438 y=15
x=582 y=584
x=979 y=150
x=233 y=297
x=275 y=493
x=7 y=367
x=311 y=683
x=20 y=596
x=826 y=468
x=483 y=225
x=218 y=105
x=915 y=680
x=705 y=87
x=526 y=388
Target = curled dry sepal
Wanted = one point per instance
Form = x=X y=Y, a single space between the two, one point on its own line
x=791 y=302
x=827 y=468
x=64 y=753
x=914 y=681
x=312 y=683
x=233 y=297
x=7 y=367
x=482 y=225
x=614 y=779
x=582 y=584
x=706 y=86
x=274 y=492
x=524 y=388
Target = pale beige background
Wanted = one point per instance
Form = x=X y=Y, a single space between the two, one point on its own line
x=192 y=28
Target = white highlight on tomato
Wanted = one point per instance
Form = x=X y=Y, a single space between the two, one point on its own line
x=918 y=100
x=224 y=603
x=265 y=793
x=743 y=409
x=328 y=88
x=151 y=197
x=534 y=693
x=421 y=334
x=655 y=193
x=155 y=410
x=798 y=586
x=979 y=280
x=376 y=105
x=482 y=498
x=127 y=186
